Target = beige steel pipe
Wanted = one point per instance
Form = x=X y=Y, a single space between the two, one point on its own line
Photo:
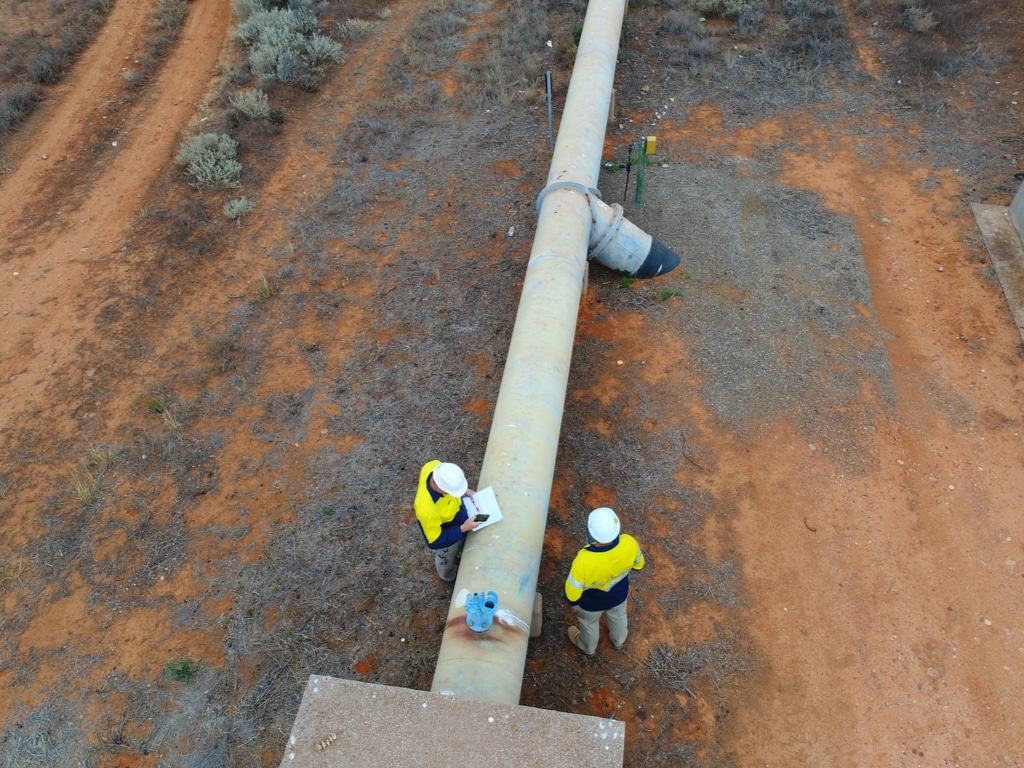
x=520 y=458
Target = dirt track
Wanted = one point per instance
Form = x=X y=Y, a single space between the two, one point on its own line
x=84 y=232
x=863 y=525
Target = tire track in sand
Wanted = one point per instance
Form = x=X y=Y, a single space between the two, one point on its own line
x=43 y=286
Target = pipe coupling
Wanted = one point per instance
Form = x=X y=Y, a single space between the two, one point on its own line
x=623 y=247
x=615 y=241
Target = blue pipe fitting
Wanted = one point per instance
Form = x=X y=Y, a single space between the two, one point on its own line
x=480 y=608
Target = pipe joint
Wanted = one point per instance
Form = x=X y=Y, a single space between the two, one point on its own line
x=568 y=260
x=609 y=232
x=623 y=247
x=616 y=242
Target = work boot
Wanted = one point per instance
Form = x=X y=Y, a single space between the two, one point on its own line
x=574 y=637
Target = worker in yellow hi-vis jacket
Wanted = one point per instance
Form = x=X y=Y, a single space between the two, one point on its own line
x=598 y=581
x=442 y=515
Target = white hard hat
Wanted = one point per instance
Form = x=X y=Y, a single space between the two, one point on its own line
x=450 y=479
x=603 y=525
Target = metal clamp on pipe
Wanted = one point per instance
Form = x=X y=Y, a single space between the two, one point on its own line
x=590 y=193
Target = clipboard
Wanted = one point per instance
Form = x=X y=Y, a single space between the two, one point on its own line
x=486 y=504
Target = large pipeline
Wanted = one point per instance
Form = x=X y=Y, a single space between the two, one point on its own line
x=573 y=224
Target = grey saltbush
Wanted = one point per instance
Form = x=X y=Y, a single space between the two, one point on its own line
x=252 y=103
x=275 y=25
x=322 y=52
x=729 y=9
x=354 y=29
x=285 y=44
x=237 y=209
x=209 y=159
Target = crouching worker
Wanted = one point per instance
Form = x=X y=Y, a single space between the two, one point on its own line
x=442 y=516
x=598 y=581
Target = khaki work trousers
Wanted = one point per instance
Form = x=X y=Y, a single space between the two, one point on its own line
x=447 y=561
x=590 y=627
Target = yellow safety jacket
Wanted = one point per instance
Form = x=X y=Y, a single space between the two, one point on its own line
x=440 y=518
x=599 y=576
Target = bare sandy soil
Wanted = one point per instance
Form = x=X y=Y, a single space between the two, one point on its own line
x=813 y=427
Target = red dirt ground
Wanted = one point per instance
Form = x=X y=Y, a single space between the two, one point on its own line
x=886 y=609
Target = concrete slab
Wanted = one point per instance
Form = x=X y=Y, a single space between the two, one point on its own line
x=348 y=723
x=1003 y=243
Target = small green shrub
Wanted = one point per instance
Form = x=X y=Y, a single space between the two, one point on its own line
x=246 y=8
x=182 y=670
x=11 y=573
x=275 y=26
x=285 y=45
x=85 y=486
x=79 y=26
x=305 y=68
x=273 y=37
x=736 y=8
x=683 y=22
x=749 y=23
x=322 y=52
x=705 y=48
x=439 y=26
x=728 y=9
x=16 y=105
x=252 y=103
x=918 y=20
x=101 y=457
x=265 y=291
x=153 y=405
x=49 y=65
x=86 y=479
x=236 y=210
x=354 y=29
x=169 y=15
x=209 y=159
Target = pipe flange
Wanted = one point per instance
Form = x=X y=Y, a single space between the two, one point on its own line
x=589 y=192
x=609 y=234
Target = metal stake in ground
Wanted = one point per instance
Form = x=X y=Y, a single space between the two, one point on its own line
x=629 y=168
x=551 y=122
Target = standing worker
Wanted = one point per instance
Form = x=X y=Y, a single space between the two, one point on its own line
x=442 y=515
x=598 y=581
